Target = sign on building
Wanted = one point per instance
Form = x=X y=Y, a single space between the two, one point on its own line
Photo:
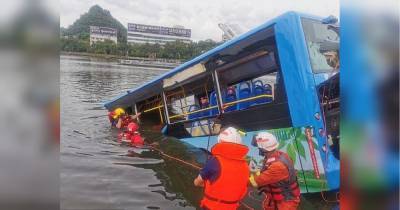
x=140 y=33
x=100 y=34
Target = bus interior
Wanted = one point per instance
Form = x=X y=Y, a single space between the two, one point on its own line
x=240 y=86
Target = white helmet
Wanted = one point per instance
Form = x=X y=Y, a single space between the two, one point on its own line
x=266 y=141
x=230 y=134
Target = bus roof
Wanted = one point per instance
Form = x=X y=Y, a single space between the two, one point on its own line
x=154 y=86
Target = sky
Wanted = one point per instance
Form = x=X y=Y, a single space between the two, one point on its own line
x=200 y=16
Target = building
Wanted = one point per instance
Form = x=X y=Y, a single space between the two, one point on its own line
x=139 y=33
x=100 y=34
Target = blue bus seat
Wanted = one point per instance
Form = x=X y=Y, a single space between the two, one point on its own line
x=194 y=115
x=229 y=97
x=268 y=91
x=244 y=91
x=259 y=89
x=213 y=102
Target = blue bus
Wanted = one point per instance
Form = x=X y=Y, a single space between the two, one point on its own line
x=281 y=77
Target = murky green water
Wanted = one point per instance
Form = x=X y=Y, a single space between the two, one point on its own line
x=98 y=173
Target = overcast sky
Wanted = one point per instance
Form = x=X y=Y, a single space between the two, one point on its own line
x=202 y=16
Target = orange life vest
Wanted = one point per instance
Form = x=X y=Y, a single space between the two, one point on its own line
x=231 y=185
x=136 y=139
x=125 y=121
x=111 y=116
x=285 y=189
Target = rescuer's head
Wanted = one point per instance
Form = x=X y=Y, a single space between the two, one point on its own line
x=230 y=134
x=118 y=112
x=266 y=142
x=132 y=127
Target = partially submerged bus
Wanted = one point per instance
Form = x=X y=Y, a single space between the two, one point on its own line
x=281 y=77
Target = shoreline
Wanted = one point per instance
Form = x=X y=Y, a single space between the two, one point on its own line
x=127 y=61
x=92 y=55
x=105 y=56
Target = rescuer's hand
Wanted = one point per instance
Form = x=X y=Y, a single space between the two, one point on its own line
x=198 y=182
x=253 y=181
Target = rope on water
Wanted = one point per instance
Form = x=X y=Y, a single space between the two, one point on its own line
x=192 y=165
x=177 y=159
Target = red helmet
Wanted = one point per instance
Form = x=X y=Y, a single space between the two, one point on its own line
x=132 y=127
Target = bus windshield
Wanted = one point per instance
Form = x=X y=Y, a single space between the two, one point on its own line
x=323 y=45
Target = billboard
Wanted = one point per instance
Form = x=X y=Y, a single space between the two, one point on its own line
x=161 y=30
x=103 y=30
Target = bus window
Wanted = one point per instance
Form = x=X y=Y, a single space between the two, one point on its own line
x=323 y=45
x=248 y=93
x=249 y=84
x=152 y=110
x=193 y=100
x=252 y=89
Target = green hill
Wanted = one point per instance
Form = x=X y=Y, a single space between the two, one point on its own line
x=96 y=16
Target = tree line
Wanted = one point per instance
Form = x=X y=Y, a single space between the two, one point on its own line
x=171 y=50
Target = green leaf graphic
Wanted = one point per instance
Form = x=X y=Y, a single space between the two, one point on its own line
x=291 y=152
x=291 y=133
x=302 y=151
x=281 y=145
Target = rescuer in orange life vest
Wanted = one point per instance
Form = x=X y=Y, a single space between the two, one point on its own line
x=225 y=175
x=277 y=178
x=131 y=135
x=120 y=119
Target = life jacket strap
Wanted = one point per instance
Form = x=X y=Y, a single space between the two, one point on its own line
x=220 y=200
x=277 y=190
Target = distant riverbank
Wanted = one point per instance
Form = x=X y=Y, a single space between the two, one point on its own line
x=116 y=57
x=103 y=56
x=125 y=60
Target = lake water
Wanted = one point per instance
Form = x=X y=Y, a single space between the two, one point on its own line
x=98 y=173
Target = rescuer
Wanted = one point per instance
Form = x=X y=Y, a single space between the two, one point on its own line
x=277 y=178
x=131 y=135
x=225 y=175
x=120 y=119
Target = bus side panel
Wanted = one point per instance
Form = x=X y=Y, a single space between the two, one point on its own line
x=301 y=88
x=304 y=154
x=310 y=171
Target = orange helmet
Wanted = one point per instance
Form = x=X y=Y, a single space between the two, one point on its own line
x=132 y=127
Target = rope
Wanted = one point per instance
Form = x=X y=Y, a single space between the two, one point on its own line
x=177 y=159
x=209 y=136
x=252 y=197
x=192 y=165
x=245 y=205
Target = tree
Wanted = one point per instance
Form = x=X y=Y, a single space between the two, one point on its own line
x=107 y=47
x=74 y=45
x=96 y=16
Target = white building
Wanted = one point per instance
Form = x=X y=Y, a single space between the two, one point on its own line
x=100 y=34
x=139 y=33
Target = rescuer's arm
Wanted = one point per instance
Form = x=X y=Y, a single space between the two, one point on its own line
x=210 y=172
x=136 y=115
x=276 y=172
x=119 y=123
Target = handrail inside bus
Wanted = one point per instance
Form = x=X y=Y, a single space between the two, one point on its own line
x=248 y=99
x=225 y=104
x=152 y=109
x=195 y=111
